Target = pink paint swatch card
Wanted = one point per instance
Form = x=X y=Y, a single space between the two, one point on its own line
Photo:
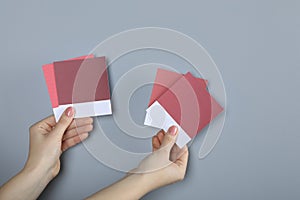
x=165 y=79
x=181 y=100
x=80 y=82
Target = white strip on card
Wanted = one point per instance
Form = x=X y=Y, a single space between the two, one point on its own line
x=158 y=117
x=87 y=109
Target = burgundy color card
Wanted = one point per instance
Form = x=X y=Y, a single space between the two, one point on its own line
x=82 y=83
x=181 y=100
x=165 y=79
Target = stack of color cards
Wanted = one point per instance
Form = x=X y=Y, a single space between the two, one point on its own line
x=79 y=82
x=182 y=100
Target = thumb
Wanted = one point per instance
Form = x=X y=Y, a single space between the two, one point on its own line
x=170 y=138
x=64 y=122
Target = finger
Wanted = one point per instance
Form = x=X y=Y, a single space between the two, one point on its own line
x=45 y=124
x=169 y=138
x=64 y=122
x=77 y=131
x=175 y=153
x=73 y=141
x=155 y=143
x=50 y=121
x=80 y=122
x=157 y=140
x=182 y=158
x=161 y=135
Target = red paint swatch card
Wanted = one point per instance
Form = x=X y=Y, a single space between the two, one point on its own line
x=165 y=79
x=186 y=104
x=80 y=82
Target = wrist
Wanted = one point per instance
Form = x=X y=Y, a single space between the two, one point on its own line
x=37 y=173
x=141 y=183
x=146 y=181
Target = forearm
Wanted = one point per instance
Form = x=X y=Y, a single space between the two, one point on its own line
x=133 y=186
x=27 y=184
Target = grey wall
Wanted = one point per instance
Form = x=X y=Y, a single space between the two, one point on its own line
x=255 y=44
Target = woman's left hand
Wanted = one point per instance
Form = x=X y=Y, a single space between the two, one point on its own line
x=49 y=139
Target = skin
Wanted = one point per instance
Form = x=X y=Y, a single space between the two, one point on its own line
x=48 y=140
x=167 y=164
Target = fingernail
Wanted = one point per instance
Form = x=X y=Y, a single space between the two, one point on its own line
x=172 y=130
x=69 y=112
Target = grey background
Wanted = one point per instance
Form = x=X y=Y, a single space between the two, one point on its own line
x=255 y=44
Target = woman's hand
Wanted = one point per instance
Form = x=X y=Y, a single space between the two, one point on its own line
x=49 y=139
x=167 y=164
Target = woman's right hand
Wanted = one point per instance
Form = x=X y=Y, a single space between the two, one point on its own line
x=167 y=164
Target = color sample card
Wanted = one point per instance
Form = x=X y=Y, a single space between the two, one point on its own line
x=80 y=82
x=165 y=79
x=181 y=100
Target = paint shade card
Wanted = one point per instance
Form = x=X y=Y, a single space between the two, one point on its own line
x=164 y=79
x=158 y=117
x=82 y=83
x=188 y=103
x=48 y=70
